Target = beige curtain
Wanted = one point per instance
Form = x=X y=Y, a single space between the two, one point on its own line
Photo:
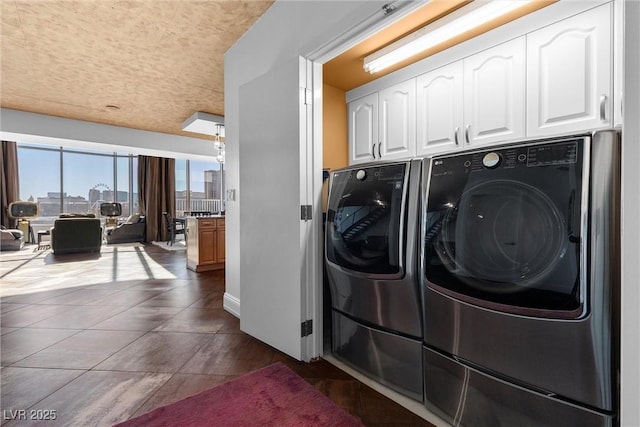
x=9 y=183
x=156 y=193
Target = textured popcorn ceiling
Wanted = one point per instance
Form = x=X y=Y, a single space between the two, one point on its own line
x=158 y=61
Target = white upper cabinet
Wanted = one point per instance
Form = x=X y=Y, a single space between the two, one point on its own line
x=494 y=94
x=553 y=80
x=478 y=100
x=439 y=109
x=382 y=126
x=397 y=128
x=363 y=129
x=569 y=74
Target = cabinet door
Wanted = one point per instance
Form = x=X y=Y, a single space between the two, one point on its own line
x=363 y=129
x=207 y=246
x=397 y=128
x=439 y=109
x=569 y=81
x=494 y=91
x=220 y=241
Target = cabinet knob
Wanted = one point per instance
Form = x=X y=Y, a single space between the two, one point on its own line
x=373 y=150
x=455 y=135
x=379 y=153
x=466 y=133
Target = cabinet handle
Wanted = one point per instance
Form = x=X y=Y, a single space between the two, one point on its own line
x=379 y=153
x=455 y=135
x=466 y=133
x=603 y=112
x=373 y=150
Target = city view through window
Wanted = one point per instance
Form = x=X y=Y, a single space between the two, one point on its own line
x=78 y=181
x=199 y=187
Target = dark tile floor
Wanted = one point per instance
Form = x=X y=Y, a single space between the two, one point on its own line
x=98 y=339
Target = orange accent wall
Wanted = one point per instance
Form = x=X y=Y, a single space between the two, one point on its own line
x=334 y=128
x=335 y=148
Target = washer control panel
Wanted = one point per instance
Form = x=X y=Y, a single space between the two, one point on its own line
x=521 y=156
x=552 y=154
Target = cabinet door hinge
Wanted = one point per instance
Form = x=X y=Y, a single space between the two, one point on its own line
x=306 y=328
x=305 y=212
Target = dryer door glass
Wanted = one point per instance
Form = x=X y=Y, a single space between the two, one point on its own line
x=503 y=231
x=507 y=237
x=365 y=219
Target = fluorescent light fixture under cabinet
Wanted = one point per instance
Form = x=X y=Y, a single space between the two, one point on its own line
x=467 y=18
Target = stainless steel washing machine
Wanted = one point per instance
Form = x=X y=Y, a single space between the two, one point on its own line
x=520 y=267
x=371 y=260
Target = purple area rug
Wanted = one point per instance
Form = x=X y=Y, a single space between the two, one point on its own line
x=271 y=396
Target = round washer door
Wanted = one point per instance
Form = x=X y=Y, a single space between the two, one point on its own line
x=502 y=233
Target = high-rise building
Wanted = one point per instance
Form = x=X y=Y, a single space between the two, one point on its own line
x=212 y=184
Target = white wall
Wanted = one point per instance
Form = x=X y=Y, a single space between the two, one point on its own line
x=42 y=129
x=630 y=333
x=287 y=30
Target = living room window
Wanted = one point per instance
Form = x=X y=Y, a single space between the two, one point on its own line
x=75 y=181
x=199 y=186
x=70 y=180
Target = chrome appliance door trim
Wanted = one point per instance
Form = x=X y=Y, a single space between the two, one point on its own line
x=579 y=312
x=604 y=255
x=402 y=234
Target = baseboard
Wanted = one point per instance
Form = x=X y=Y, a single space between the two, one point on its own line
x=231 y=304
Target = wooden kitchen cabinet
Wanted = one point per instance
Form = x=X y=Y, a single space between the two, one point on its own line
x=220 y=241
x=205 y=243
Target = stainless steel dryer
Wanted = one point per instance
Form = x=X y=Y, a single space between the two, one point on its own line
x=371 y=260
x=520 y=278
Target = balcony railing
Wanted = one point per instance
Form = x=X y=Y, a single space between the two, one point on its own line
x=198 y=205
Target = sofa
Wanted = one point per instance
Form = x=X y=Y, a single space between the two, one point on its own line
x=11 y=240
x=76 y=234
x=132 y=230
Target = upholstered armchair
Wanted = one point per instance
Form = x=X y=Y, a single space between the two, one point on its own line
x=76 y=233
x=132 y=230
x=10 y=239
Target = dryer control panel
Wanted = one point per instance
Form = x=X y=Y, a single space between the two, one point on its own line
x=552 y=154
x=525 y=156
